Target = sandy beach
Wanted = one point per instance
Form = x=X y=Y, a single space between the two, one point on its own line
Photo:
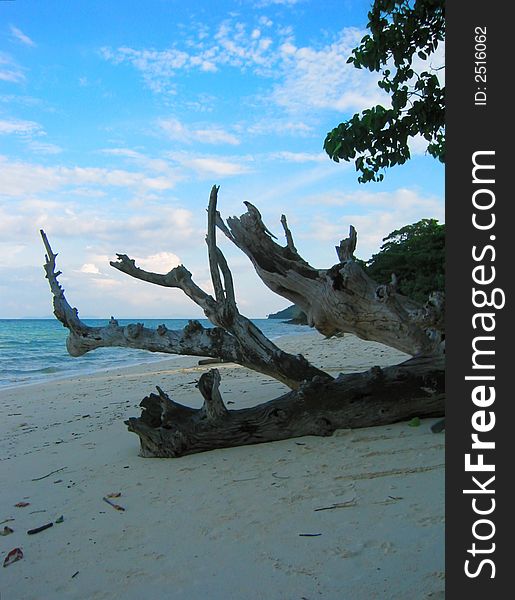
x=355 y=516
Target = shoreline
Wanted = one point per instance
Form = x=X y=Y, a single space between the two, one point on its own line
x=281 y=520
x=104 y=370
x=87 y=373
x=144 y=359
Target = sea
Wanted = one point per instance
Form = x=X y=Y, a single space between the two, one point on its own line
x=34 y=350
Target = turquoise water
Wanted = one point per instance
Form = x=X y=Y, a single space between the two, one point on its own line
x=33 y=350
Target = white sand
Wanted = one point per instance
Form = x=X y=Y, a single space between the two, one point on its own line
x=223 y=524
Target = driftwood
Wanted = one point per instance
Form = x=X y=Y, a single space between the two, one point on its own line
x=340 y=299
x=319 y=407
x=234 y=337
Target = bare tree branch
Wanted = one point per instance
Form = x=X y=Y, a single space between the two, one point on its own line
x=340 y=299
x=288 y=235
x=345 y=250
x=179 y=277
x=234 y=338
x=214 y=408
x=211 y=246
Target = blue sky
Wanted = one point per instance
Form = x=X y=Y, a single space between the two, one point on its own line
x=117 y=117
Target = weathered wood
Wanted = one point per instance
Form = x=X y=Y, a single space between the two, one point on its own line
x=211 y=361
x=376 y=397
x=214 y=409
x=233 y=339
x=345 y=251
x=342 y=298
x=336 y=300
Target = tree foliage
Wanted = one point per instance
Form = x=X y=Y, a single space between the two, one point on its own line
x=416 y=254
x=400 y=31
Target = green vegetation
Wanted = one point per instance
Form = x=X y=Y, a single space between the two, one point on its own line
x=400 y=31
x=293 y=313
x=286 y=313
x=416 y=254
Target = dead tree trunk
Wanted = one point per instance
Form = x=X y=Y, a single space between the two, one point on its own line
x=319 y=407
x=340 y=299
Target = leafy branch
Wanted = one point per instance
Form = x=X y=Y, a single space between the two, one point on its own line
x=378 y=137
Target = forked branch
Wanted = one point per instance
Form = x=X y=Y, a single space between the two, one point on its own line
x=343 y=298
x=234 y=337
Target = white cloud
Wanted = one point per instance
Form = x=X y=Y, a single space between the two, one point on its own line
x=265 y=21
x=279 y=126
x=322 y=79
x=44 y=148
x=19 y=100
x=9 y=70
x=157 y=67
x=106 y=283
x=211 y=165
x=175 y=130
x=9 y=253
x=309 y=77
x=382 y=213
x=88 y=193
x=233 y=44
x=402 y=198
x=22 y=179
x=417 y=145
x=161 y=262
x=69 y=221
x=19 y=127
x=100 y=290
x=203 y=103
x=90 y=269
x=21 y=37
x=299 y=157
x=215 y=135
x=28 y=130
x=156 y=165
x=294 y=182
x=217 y=166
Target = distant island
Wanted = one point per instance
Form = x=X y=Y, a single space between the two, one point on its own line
x=293 y=313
